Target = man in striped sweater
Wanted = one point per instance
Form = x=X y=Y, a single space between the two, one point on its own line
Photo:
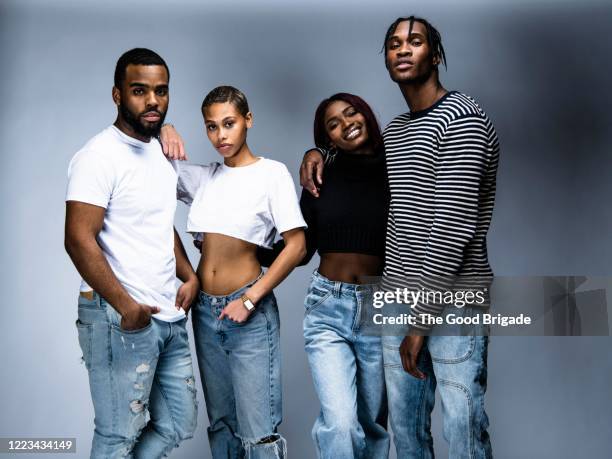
x=441 y=162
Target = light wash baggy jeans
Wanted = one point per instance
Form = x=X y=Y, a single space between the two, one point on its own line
x=347 y=370
x=141 y=383
x=458 y=366
x=240 y=366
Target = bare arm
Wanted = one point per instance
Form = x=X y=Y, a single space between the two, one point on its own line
x=290 y=256
x=184 y=271
x=172 y=143
x=312 y=165
x=83 y=223
x=267 y=256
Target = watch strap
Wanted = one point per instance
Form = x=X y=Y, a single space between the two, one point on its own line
x=247 y=302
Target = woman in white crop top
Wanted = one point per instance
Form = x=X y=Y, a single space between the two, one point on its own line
x=236 y=206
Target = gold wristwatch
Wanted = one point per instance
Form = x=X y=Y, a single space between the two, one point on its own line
x=247 y=303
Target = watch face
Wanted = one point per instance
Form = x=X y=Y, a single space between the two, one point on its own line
x=248 y=304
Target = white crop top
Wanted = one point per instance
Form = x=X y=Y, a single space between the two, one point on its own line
x=253 y=203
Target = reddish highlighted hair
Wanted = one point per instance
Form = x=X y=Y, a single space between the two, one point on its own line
x=321 y=138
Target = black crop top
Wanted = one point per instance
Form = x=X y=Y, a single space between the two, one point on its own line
x=350 y=214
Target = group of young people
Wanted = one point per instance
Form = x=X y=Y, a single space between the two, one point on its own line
x=415 y=200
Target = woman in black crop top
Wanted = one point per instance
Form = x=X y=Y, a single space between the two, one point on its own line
x=346 y=225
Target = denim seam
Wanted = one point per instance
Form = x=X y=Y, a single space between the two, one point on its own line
x=461 y=359
x=309 y=309
x=466 y=391
x=419 y=416
x=111 y=373
x=391 y=348
x=89 y=329
x=270 y=361
x=392 y=365
x=121 y=331
x=316 y=438
x=357 y=317
x=165 y=398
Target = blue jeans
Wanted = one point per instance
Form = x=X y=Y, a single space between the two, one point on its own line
x=459 y=365
x=141 y=383
x=241 y=375
x=347 y=369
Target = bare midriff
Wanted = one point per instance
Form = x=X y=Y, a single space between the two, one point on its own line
x=351 y=268
x=226 y=264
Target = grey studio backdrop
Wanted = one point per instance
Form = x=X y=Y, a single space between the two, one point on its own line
x=540 y=70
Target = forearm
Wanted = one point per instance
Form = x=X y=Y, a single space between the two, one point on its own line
x=95 y=270
x=184 y=270
x=267 y=256
x=287 y=260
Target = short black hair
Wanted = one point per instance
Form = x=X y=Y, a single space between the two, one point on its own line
x=434 y=39
x=222 y=94
x=137 y=56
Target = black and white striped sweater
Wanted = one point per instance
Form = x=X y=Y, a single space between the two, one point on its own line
x=441 y=165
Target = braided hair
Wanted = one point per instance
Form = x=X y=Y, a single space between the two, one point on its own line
x=434 y=39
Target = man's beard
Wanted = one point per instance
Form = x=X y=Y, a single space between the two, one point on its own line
x=134 y=121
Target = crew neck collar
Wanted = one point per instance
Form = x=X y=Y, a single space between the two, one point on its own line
x=248 y=166
x=425 y=111
x=131 y=140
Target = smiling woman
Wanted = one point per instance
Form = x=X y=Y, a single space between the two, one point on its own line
x=346 y=225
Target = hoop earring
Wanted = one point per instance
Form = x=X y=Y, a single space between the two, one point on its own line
x=330 y=154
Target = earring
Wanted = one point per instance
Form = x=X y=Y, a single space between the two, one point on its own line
x=330 y=153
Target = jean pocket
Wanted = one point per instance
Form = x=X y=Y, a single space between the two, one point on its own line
x=141 y=343
x=451 y=349
x=138 y=331
x=85 y=302
x=85 y=332
x=315 y=297
x=253 y=318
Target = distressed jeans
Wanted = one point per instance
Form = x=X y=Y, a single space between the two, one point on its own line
x=347 y=370
x=141 y=383
x=240 y=366
x=458 y=366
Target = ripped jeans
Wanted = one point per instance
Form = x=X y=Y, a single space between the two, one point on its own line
x=241 y=376
x=141 y=383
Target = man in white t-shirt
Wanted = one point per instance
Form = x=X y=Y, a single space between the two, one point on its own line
x=120 y=206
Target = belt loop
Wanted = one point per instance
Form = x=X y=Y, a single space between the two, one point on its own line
x=337 y=287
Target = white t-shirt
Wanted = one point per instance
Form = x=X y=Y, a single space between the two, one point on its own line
x=136 y=185
x=253 y=203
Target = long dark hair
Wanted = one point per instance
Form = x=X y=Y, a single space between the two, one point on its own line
x=321 y=138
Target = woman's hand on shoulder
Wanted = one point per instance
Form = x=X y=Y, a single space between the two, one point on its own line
x=172 y=143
